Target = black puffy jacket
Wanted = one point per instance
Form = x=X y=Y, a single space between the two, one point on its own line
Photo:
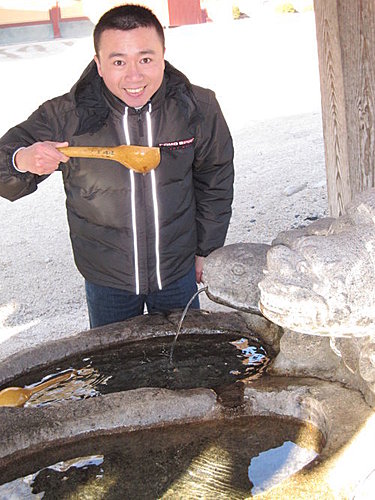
x=132 y=231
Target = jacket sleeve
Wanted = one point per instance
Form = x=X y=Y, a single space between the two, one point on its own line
x=213 y=176
x=38 y=127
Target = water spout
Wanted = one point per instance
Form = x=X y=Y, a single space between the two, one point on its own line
x=203 y=289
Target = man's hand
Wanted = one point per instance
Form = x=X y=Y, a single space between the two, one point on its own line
x=40 y=158
x=199 y=262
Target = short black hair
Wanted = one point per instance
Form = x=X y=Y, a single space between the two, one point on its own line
x=127 y=17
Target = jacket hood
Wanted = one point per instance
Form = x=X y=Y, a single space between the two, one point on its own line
x=93 y=99
x=91 y=107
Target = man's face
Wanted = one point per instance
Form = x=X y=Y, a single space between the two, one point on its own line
x=131 y=64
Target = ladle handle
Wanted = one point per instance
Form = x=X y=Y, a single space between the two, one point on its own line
x=51 y=381
x=88 y=152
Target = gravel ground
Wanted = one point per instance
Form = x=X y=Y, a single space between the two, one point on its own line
x=265 y=74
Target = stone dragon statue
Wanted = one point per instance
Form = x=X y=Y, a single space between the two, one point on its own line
x=320 y=279
x=318 y=284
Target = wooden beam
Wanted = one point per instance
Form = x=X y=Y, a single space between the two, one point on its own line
x=346 y=48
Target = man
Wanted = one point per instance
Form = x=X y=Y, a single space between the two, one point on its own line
x=137 y=239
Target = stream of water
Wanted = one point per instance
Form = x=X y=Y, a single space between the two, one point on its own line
x=182 y=319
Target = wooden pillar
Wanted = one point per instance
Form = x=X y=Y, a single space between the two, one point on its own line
x=346 y=47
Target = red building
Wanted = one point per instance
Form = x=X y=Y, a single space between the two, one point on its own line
x=69 y=18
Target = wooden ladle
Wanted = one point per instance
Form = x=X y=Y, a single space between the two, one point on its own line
x=17 y=396
x=141 y=159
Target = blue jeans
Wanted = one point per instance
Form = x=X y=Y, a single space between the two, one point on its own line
x=110 y=305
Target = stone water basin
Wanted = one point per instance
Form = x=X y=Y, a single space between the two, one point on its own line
x=212 y=360
x=62 y=437
x=231 y=458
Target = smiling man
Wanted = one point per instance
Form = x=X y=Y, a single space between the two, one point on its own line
x=138 y=240
x=131 y=63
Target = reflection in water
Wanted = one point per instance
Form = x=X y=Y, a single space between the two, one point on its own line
x=83 y=385
x=272 y=466
x=211 y=361
x=222 y=459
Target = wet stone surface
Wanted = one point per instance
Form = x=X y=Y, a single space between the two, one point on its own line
x=236 y=458
x=212 y=361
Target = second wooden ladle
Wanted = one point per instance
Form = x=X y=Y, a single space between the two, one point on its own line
x=17 y=396
x=141 y=159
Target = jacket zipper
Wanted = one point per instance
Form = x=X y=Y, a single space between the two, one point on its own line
x=154 y=197
x=140 y=123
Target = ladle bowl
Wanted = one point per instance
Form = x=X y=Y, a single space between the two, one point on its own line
x=18 y=396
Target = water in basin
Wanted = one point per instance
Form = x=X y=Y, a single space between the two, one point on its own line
x=234 y=458
x=199 y=360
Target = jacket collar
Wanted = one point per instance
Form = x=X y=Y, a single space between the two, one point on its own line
x=94 y=100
